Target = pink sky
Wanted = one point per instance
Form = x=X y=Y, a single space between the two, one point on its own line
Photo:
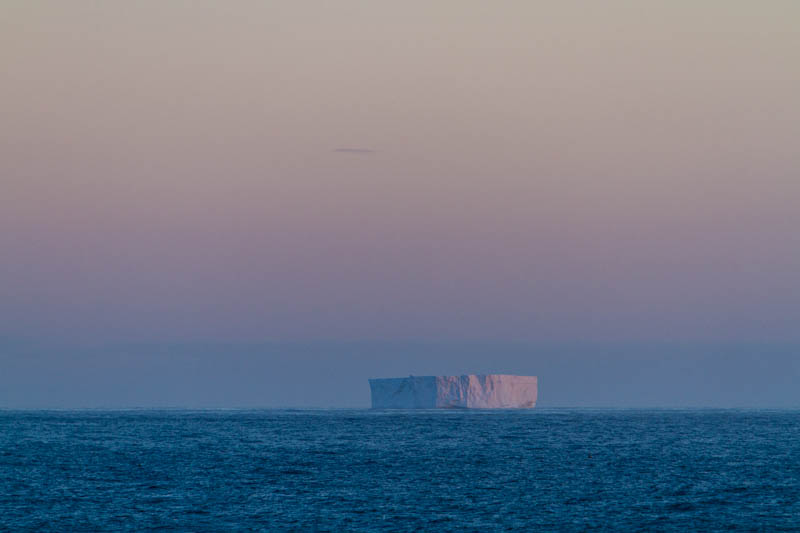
x=540 y=170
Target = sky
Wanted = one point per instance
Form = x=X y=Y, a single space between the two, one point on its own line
x=181 y=176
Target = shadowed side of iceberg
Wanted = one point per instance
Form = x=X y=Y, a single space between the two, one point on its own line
x=413 y=392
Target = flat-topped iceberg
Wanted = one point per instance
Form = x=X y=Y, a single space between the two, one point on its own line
x=489 y=391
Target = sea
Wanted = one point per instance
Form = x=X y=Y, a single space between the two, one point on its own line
x=372 y=470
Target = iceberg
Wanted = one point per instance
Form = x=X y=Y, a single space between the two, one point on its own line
x=487 y=391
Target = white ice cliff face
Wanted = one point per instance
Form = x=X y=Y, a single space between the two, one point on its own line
x=491 y=391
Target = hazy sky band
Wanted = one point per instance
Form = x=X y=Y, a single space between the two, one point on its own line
x=537 y=170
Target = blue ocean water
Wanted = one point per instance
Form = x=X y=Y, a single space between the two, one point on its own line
x=340 y=470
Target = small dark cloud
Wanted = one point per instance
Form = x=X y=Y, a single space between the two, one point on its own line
x=355 y=150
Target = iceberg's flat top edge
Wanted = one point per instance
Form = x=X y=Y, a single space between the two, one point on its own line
x=457 y=376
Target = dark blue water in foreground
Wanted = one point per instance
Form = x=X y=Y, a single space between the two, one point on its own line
x=400 y=471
